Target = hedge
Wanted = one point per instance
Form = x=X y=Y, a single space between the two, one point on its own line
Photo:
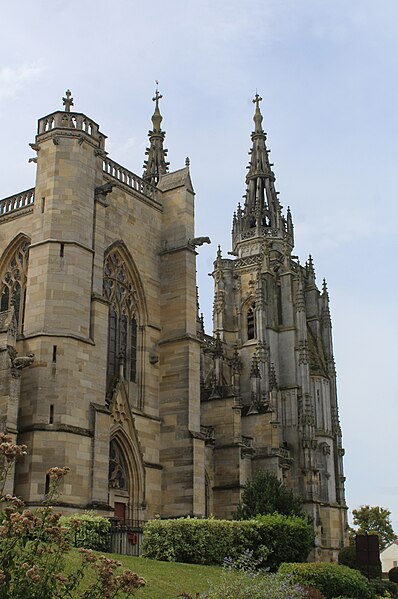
x=208 y=541
x=332 y=580
x=88 y=531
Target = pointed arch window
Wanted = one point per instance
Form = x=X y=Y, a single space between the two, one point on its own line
x=13 y=283
x=122 y=324
x=251 y=322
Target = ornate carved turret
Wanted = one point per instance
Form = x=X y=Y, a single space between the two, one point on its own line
x=156 y=164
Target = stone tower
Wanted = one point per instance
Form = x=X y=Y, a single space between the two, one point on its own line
x=268 y=376
x=98 y=298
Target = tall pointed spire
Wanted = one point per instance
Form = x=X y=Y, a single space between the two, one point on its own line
x=262 y=209
x=156 y=164
x=260 y=178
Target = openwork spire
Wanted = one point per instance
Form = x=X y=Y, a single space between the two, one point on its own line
x=261 y=199
x=156 y=164
x=261 y=209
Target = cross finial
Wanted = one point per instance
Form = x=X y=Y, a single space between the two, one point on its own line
x=68 y=101
x=157 y=95
x=257 y=100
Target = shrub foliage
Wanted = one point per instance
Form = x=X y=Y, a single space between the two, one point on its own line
x=88 y=531
x=272 y=538
x=242 y=586
x=380 y=587
x=393 y=574
x=332 y=580
x=265 y=494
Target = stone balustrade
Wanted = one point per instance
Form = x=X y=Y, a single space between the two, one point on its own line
x=17 y=201
x=121 y=174
x=69 y=120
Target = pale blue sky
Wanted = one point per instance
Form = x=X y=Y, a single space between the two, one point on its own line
x=328 y=75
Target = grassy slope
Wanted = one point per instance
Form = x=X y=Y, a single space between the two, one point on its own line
x=164 y=580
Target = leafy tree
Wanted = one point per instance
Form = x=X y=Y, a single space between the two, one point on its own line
x=374 y=520
x=265 y=494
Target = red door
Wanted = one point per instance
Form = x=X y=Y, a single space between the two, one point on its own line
x=120 y=511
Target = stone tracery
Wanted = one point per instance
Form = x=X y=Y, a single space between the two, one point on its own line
x=122 y=333
x=13 y=283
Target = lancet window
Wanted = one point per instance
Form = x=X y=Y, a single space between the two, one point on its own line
x=13 y=283
x=251 y=322
x=122 y=325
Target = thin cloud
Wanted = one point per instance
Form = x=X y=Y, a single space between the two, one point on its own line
x=13 y=80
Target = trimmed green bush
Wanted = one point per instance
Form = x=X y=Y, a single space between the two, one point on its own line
x=393 y=575
x=381 y=586
x=88 y=531
x=209 y=541
x=332 y=580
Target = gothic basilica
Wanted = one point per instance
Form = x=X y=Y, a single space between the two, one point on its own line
x=105 y=366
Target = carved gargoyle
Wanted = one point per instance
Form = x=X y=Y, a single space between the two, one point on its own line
x=19 y=362
x=23 y=361
x=198 y=241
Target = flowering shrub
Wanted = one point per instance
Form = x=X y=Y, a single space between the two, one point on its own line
x=255 y=586
x=331 y=579
x=33 y=545
x=247 y=562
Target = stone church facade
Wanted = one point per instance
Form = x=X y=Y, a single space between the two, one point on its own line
x=105 y=366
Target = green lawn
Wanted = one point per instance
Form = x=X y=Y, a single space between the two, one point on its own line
x=165 y=580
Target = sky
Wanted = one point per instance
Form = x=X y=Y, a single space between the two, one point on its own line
x=327 y=73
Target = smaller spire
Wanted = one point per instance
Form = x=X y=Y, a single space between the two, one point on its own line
x=68 y=100
x=157 y=117
x=310 y=270
x=156 y=164
x=325 y=309
x=254 y=368
x=325 y=289
x=289 y=225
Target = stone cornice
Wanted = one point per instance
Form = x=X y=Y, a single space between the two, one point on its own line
x=56 y=428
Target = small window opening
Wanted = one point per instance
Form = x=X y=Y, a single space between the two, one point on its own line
x=54 y=353
x=61 y=250
x=47 y=485
x=43 y=204
x=51 y=417
x=251 y=323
